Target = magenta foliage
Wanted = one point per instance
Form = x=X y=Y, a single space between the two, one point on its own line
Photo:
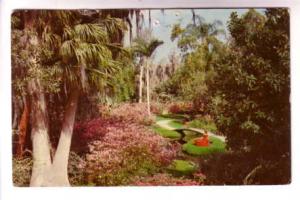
x=133 y=112
x=108 y=150
x=85 y=132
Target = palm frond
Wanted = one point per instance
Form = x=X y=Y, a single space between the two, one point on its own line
x=51 y=39
x=114 y=25
x=145 y=46
x=68 y=33
x=153 y=45
x=67 y=50
x=92 y=33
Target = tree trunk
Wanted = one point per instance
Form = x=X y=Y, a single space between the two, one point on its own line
x=39 y=119
x=39 y=134
x=141 y=84
x=16 y=107
x=23 y=126
x=148 y=88
x=58 y=174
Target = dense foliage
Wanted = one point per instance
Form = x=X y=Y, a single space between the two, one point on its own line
x=244 y=85
x=200 y=46
x=114 y=160
x=237 y=87
x=252 y=88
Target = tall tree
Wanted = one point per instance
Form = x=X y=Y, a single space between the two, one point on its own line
x=199 y=43
x=252 y=90
x=196 y=33
x=63 y=52
x=144 y=46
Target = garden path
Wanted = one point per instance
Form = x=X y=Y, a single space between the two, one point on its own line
x=165 y=123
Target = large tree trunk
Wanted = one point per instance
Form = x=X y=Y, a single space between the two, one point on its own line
x=148 y=88
x=23 y=126
x=44 y=171
x=141 y=84
x=39 y=134
x=16 y=107
x=39 y=118
x=58 y=174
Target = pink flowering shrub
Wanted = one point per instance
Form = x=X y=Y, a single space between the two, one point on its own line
x=126 y=152
x=85 y=132
x=133 y=112
x=164 y=179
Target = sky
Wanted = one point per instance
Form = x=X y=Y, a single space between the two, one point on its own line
x=162 y=26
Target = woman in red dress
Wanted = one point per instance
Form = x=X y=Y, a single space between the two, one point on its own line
x=203 y=141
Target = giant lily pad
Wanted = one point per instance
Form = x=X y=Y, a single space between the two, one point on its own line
x=216 y=146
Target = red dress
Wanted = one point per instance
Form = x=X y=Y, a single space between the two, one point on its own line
x=202 y=142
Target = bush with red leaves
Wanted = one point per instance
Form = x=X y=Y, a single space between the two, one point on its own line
x=157 y=108
x=181 y=108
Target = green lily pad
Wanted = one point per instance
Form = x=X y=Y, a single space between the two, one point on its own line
x=216 y=146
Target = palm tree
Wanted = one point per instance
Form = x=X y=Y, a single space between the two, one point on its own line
x=196 y=33
x=144 y=46
x=81 y=52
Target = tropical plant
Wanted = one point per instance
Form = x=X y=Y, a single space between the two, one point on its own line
x=63 y=52
x=199 y=32
x=144 y=46
x=199 y=42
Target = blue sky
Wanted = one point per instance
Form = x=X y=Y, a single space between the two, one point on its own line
x=162 y=25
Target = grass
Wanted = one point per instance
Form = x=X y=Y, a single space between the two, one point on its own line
x=159 y=118
x=175 y=123
x=166 y=133
x=182 y=167
x=217 y=146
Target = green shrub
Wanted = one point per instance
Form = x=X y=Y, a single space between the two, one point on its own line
x=182 y=167
x=203 y=123
x=231 y=168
